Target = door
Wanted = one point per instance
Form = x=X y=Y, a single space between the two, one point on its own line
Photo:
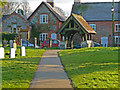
x=104 y=41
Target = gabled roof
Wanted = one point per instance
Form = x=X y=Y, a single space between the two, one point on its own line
x=54 y=10
x=80 y=21
x=5 y=17
x=96 y=11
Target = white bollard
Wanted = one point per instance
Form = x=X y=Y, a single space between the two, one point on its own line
x=22 y=51
x=12 y=53
x=1 y=53
x=11 y=43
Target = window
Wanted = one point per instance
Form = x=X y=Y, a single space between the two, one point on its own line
x=117 y=27
x=93 y=26
x=14 y=28
x=43 y=18
x=43 y=36
x=55 y=42
x=117 y=39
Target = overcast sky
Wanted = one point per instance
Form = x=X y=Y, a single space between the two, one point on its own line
x=66 y=5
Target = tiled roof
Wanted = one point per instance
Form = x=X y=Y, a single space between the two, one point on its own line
x=54 y=10
x=83 y=23
x=96 y=11
x=3 y=17
x=7 y=16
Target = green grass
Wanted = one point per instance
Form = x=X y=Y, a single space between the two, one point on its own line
x=18 y=72
x=91 y=67
x=51 y=48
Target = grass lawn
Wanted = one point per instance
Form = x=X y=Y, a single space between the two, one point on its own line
x=18 y=72
x=91 y=67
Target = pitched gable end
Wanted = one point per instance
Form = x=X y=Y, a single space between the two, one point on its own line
x=57 y=14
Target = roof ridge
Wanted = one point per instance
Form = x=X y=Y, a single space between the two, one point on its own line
x=59 y=17
x=54 y=9
x=96 y=2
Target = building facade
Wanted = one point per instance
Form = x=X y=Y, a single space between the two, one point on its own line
x=99 y=17
x=49 y=19
x=15 y=23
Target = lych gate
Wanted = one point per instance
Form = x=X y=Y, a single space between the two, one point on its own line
x=76 y=24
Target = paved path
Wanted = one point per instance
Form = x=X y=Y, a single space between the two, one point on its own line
x=50 y=72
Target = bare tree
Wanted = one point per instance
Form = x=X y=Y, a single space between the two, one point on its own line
x=10 y=7
x=63 y=12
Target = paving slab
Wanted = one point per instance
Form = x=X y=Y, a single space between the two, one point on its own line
x=50 y=72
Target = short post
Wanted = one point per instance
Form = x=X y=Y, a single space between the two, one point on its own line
x=1 y=53
x=12 y=53
x=11 y=43
x=14 y=45
x=72 y=44
x=4 y=43
x=22 y=51
x=21 y=42
x=27 y=42
x=35 y=42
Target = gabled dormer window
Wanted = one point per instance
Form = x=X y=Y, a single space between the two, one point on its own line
x=44 y=18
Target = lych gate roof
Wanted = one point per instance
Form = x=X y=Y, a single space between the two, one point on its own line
x=80 y=22
x=83 y=23
x=96 y=11
x=54 y=10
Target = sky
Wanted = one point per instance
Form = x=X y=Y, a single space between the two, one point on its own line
x=66 y=5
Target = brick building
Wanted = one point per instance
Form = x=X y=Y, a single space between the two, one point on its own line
x=48 y=18
x=16 y=23
x=99 y=17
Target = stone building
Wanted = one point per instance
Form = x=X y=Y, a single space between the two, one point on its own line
x=99 y=17
x=16 y=23
x=48 y=18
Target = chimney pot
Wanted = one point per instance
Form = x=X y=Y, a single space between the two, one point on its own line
x=77 y=1
x=51 y=2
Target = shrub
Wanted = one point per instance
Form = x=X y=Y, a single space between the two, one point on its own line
x=11 y=36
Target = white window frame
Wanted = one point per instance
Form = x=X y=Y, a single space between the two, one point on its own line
x=118 y=39
x=43 y=34
x=42 y=17
x=93 y=26
x=14 y=26
x=117 y=28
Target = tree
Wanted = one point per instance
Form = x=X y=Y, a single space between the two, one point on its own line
x=63 y=12
x=2 y=4
x=10 y=7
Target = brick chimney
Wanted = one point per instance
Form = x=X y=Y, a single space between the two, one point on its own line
x=51 y=2
x=77 y=1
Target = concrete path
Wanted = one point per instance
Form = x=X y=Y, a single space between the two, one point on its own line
x=50 y=72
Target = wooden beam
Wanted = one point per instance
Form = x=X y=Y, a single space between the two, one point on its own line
x=69 y=29
x=86 y=36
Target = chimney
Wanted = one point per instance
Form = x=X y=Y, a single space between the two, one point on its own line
x=51 y=2
x=77 y=1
